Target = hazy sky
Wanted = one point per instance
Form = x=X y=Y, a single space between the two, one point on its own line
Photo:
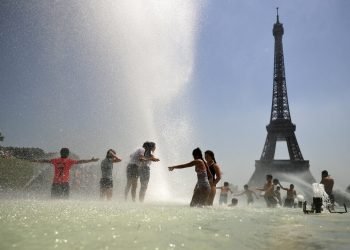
x=77 y=74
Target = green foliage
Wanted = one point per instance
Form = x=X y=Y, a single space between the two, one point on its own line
x=15 y=173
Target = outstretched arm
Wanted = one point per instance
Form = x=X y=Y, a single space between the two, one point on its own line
x=41 y=161
x=87 y=161
x=239 y=194
x=279 y=183
x=150 y=158
x=186 y=165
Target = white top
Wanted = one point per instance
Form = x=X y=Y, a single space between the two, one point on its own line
x=135 y=158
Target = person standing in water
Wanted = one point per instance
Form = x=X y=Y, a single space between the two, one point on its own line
x=278 y=195
x=144 y=168
x=328 y=183
x=62 y=166
x=139 y=166
x=277 y=191
x=215 y=172
x=291 y=195
x=249 y=193
x=202 y=188
x=106 y=182
x=224 y=193
x=269 y=195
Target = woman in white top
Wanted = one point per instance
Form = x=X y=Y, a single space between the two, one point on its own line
x=139 y=166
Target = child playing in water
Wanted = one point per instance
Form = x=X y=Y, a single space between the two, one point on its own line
x=224 y=193
x=278 y=195
x=269 y=195
x=234 y=202
x=106 y=181
x=291 y=195
x=249 y=193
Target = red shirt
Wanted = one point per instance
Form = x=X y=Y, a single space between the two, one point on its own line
x=62 y=168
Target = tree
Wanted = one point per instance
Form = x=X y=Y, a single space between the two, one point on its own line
x=1 y=137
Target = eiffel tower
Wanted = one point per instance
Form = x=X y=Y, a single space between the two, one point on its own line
x=296 y=169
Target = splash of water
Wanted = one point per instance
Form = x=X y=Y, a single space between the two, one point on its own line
x=136 y=58
x=302 y=187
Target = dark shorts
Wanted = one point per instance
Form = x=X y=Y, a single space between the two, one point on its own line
x=106 y=183
x=144 y=173
x=289 y=202
x=132 y=171
x=271 y=201
x=60 y=190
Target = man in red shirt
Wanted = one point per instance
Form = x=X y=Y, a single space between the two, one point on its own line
x=62 y=165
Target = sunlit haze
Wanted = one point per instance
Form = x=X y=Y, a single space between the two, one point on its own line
x=96 y=75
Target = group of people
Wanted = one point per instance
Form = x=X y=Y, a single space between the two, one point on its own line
x=208 y=175
x=138 y=168
x=272 y=189
x=272 y=194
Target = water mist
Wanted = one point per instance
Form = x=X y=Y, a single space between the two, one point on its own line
x=133 y=62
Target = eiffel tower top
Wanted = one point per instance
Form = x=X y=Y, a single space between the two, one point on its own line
x=278 y=27
x=280 y=106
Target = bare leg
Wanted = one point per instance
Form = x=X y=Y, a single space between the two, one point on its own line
x=127 y=188
x=109 y=193
x=144 y=179
x=133 y=188
x=143 y=189
x=102 y=193
x=211 y=196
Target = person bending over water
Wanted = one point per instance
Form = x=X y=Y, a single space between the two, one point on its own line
x=249 y=193
x=62 y=166
x=139 y=166
x=202 y=188
x=224 y=193
x=215 y=172
x=106 y=182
